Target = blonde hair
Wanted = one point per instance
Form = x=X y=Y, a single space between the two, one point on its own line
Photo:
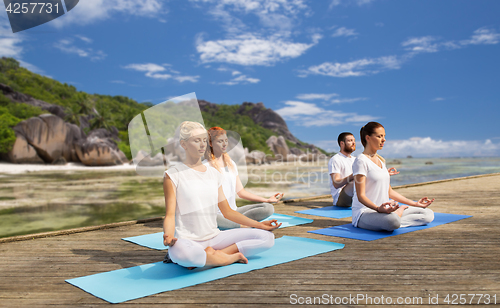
x=186 y=129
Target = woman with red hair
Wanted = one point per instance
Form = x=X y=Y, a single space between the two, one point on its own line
x=218 y=158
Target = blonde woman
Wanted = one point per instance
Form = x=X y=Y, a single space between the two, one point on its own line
x=193 y=192
x=232 y=186
x=371 y=207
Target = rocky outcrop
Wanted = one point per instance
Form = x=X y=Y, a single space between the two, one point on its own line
x=23 y=153
x=143 y=159
x=27 y=99
x=95 y=151
x=50 y=136
x=49 y=139
x=255 y=157
x=266 y=118
x=279 y=147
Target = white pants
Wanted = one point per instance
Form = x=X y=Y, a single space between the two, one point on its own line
x=189 y=253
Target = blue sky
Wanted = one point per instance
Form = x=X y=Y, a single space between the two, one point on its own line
x=427 y=70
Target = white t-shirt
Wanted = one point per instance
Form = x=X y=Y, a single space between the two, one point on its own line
x=376 y=185
x=341 y=164
x=196 y=202
x=229 y=184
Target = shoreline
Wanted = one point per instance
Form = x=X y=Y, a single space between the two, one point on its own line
x=141 y=221
x=10 y=168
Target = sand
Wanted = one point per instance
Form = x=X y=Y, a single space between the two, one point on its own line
x=22 y=168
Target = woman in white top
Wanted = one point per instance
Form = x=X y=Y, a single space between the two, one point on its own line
x=193 y=192
x=232 y=186
x=371 y=207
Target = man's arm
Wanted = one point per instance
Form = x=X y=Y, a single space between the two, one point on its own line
x=339 y=182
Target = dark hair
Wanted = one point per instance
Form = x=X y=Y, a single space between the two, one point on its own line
x=368 y=130
x=343 y=136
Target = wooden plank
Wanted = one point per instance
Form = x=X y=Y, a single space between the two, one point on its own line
x=457 y=257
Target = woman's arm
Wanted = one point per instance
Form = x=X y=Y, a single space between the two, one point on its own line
x=360 y=181
x=242 y=193
x=241 y=219
x=170 y=204
x=423 y=202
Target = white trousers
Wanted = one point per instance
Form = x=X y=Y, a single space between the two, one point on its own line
x=189 y=253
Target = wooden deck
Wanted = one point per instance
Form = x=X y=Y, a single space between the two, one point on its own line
x=456 y=258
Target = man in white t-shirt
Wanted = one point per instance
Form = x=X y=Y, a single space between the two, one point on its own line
x=340 y=170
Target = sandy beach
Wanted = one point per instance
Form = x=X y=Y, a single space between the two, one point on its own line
x=22 y=168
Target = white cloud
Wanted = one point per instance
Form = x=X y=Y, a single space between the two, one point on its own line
x=414 y=46
x=147 y=67
x=360 y=67
x=153 y=71
x=327 y=98
x=335 y=3
x=9 y=42
x=10 y=46
x=438 y=99
x=241 y=79
x=343 y=31
x=67 y=46
x=483 y=36
x=84 y=38
x=313 y=96
x=32 y=68
x=308 y=114
x=90 y=11
x=428 y=147
x=421 y=44
x=251 y=49
x=280 y=15
x=348 y=100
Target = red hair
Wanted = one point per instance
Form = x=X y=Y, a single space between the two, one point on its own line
x=213 y=133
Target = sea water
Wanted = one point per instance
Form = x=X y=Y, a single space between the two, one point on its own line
x=411 y=170
x=56 y=205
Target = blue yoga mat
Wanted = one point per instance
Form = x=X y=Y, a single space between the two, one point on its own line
x=349 y=231
x=155 y=240
x=329 y=211
x=140 y=281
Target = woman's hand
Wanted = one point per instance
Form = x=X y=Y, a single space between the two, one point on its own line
x=393 y=171
x=270 y=225
x=275 y=198
x=424 y=202
x=388 y=207
x=169 y=240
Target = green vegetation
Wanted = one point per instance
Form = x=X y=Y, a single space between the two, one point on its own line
x=252 y=135
x=107 y=110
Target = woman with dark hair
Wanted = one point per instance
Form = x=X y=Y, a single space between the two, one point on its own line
x=232 y=186
x=193 y=191
x=372 y=208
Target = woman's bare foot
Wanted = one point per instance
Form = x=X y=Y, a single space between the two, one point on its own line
x=401 y=210
x=220 y=258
